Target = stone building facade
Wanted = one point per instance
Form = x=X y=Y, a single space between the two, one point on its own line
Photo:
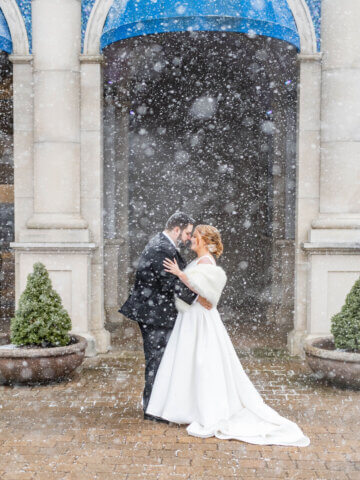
x=53 y=149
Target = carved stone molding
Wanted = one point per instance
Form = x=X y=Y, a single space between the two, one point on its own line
x=17 y=27
x=305 y=26
x=91 y=59
x=95 y=26
x=20 y=59
x=327 y=248
x=299 y=8
x=311 y=57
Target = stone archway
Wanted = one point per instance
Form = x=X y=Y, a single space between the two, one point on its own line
x=95 y=27
x=17 y=27
x=308 y=138
x=101 y=9
x=305 y=26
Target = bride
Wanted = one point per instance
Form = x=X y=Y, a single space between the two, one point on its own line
x=200 y=380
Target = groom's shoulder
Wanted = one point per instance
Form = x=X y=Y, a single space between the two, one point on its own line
x=158 y=243
x=154 y=242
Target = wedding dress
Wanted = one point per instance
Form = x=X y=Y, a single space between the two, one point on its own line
x=201 y=382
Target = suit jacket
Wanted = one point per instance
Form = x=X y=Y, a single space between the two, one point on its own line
x=151 y=300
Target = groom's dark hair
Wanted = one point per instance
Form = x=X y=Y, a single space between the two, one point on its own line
x=179 y=219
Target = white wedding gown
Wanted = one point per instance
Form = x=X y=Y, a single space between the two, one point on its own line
x=200 y=382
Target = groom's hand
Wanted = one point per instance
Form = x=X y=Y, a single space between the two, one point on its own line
x=204 y=303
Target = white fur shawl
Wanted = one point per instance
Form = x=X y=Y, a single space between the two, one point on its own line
x=207 y=280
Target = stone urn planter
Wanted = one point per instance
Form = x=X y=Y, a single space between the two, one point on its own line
x=27 y=365
x=337 y=366
x=39 y=347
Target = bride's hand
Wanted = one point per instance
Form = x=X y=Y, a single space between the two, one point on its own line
x=172 y=267
x=205 y=303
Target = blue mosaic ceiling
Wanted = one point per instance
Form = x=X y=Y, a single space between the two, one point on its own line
x=257 y=17
x=314 y=7
x=87 y=5
x=5 y=37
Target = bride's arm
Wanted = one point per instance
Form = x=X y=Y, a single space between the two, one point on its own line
x=173 y=267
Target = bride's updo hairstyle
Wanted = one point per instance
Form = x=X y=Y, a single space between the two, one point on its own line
x=212 y=238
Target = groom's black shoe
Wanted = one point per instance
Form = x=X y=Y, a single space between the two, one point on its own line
x=154 y=419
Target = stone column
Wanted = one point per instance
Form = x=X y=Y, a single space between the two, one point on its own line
x=23 y=149
x=122 y=199
x=307 y=190
x=56 y=46
x=116 y=204
x=340 y=115
x=23 y=140
x=53 y=226
x=92 y=186
x=282 y=268
x=334 y=239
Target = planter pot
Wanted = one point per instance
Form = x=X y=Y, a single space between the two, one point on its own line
x=39 y=365
x=337 y=366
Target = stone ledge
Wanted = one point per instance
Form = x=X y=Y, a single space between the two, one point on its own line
x=51 y=247
x=311 y=57
x=53 y=235
x=343 y=222
x=91 y=58
x=41 y=221
x=327 y=248
x=17 y=59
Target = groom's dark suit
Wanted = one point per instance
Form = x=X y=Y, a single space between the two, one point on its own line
x=151 y=303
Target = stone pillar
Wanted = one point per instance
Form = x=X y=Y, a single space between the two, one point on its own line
x=307 y=189
x=122 y=201
x=51 y=226
x=340 y=115
x=333 y=243
x=23 y=149
x=280 y=309
x=92 y=185
x=56 y=46
x=23 y=140
x=116 y=204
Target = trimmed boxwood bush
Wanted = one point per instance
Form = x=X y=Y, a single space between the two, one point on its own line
x=345 y=325
x=40 y=319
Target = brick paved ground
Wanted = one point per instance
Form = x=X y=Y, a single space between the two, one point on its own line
x=90 y=427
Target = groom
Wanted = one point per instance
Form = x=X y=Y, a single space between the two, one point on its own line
x=151 y=302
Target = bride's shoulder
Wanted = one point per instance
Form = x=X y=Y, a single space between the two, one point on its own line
x=205 y=260
x=211 y=270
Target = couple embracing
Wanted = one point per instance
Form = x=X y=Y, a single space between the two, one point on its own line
x=193 y=375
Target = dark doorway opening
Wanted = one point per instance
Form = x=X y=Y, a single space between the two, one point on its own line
x=7 y=263
x=205 y=123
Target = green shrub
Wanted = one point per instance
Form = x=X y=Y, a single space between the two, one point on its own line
x=345 y=325
x=40 y=319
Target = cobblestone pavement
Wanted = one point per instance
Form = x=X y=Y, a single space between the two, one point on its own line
x=91 y=427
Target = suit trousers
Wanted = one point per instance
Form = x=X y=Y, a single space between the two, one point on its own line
x=155 y=340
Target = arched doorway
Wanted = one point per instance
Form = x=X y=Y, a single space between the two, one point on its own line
x=309 y=86
x=204 y=122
